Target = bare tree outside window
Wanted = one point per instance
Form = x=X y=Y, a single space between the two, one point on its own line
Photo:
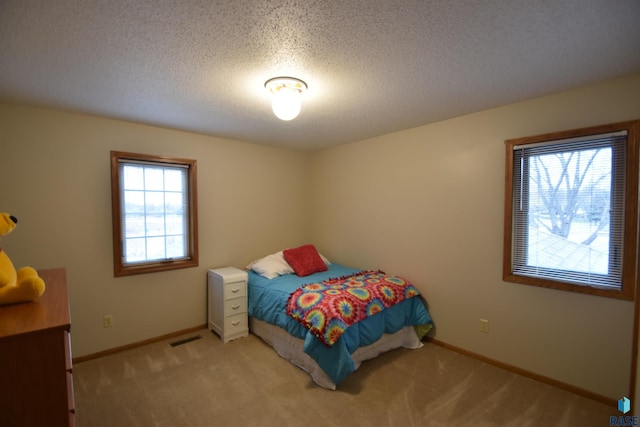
x=569 y=197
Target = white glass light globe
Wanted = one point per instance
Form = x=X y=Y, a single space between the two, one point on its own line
x=286 y=104
x=287 y=96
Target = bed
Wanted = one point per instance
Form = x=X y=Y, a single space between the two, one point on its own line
x=279 y=291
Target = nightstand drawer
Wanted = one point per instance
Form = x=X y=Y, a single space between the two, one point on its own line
x=235 y=306
x=235 y=290
x=235 y=324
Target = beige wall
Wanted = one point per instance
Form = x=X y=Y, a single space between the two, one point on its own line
x=427 y=203
x=55 y=177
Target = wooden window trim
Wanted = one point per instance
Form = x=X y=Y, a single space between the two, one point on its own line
x=631 y=258
x=149 y=267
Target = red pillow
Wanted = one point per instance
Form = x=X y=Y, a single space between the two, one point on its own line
x=304 y=260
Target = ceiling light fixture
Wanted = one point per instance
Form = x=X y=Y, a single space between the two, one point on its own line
x=287 y=96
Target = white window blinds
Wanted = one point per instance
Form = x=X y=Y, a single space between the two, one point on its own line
x=568 y=209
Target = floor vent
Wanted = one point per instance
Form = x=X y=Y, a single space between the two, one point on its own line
x=184 y=341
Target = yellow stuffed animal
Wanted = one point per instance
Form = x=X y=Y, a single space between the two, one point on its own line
x=16 y=286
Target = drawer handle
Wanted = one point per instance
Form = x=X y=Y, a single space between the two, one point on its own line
x=236 y=323
x=235 y=290
x=235 y=307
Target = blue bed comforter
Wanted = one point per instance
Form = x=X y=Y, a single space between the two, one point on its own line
x=268 y=302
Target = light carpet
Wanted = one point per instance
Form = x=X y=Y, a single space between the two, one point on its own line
x=244 y=382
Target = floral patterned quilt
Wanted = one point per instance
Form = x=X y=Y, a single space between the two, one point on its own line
x=329 y=307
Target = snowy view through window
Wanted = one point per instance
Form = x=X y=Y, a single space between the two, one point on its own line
x=568 y=211
x=154 y=212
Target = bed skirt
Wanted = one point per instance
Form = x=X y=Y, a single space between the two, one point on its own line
x=290 y=348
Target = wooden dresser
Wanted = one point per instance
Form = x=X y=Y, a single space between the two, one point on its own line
x=36 y=387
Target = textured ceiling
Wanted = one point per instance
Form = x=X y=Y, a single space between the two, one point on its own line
x=372 y=66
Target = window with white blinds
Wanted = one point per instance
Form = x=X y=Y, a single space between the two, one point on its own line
x=571 y=205
x=154 y=207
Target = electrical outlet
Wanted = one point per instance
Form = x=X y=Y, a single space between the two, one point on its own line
x=107 y=321
x=484 y=325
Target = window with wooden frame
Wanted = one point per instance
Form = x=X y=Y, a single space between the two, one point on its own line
x=154 y=210
x=571 y=210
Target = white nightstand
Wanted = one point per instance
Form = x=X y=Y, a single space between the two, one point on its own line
x=227 y=306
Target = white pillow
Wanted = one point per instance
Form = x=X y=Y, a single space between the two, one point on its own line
x=271 y=266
